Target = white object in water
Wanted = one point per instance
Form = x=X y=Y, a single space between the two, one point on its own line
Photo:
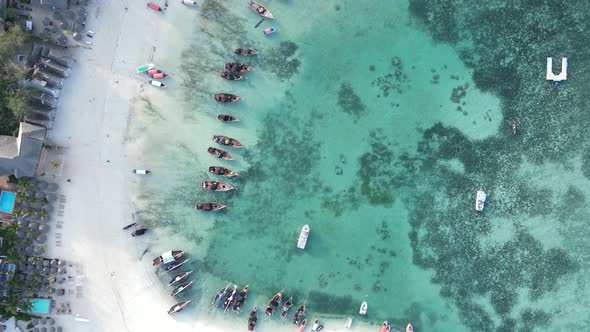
x=303 y=237
x=88 y=42
x=157 y=83
x=189 y=2
x=480 y=200
x=562 y=75
x=363 y=310
x=141 y=171
x=348 y=323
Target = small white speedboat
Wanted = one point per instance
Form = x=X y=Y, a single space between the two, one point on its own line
x=348 y=323
x=363 y=310
x=141 y=171
x=303 y=237
x=480 y=200
x=157 y=83
x=189 y=2
x=317 y=326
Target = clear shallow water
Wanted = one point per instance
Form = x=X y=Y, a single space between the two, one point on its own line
x=357 y=124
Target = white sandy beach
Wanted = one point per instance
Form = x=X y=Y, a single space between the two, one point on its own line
x=99 y=125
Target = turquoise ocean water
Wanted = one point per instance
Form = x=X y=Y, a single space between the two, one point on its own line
x=375 y=123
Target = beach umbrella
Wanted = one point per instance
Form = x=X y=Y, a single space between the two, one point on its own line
x=36 y=329
x=43 y=329
x=61 y=270
x=43 y=184
x=70 y=15
x=29 y=250
x=61 y=262
x=59 y=329
x=53 y=270
x=52 y=322
x=46 y=262
x=78 y=27
x=54 y=262
x=57 y=15
x=51 y=197
x=52 y=329
x=44 y=228
x=43 y=321
x=35 y=321
x=61 y=291
x=20 y=234
x=38 y=250
x=77 y=36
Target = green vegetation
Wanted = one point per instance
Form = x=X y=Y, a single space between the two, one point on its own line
x=12 y=98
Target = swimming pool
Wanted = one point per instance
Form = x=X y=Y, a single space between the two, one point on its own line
x=7 y=199
x=40 y=306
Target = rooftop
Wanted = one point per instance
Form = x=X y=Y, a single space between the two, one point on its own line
x=20 y=155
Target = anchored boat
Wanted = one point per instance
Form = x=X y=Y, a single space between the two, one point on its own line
x=385 y=327
x=226 y=98
x=181 y=288
x=227 y=141
x=287 y=307
x=299 y=315
x=218 y=153
x=220 y=295
x=209 y=206
x=175 y=266
x=348 y=322
x=227 y=118
x=274 y=303
x=179 y=277
x=480 y=200
x=303 y=237
x=363 y=309
x=253 y=319
x=261 y=10
x=191 y=3
x=168 y=257
x=178 y=307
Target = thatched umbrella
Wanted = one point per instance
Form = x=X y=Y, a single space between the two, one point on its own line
x=35 y=321
x=52 y=329
x=59 y=329
x=53 y=270
x=43 y=321
x=42 y=184
x=52 y=322
x=52 y=187
x=70 y=15
x=61 y=270
x=44 y=228
x=42 y=238
x=46 y=21
x=77 y=36
x=62 y=262
x=23 y=223
x=38 y=250
x=43 y=329
x=51 y=197
x=61 y=291
x=20 y=234
x=57 y=15
x=29 y=250
x=62 y=40
x=54 y=262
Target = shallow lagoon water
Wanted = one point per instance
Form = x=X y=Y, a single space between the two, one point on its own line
x=357 y=123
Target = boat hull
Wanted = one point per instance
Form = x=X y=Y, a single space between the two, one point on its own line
x=261 y=10
x=209 y=207
x=218 y=153
x=302 y=241
x=227 y=118
x=217 y=186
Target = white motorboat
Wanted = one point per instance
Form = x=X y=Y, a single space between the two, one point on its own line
x=303 y=237
x=189 y=2
x=317 y=326
x=141 y=171
x=480 y=200
x=363 y=310
x=157 y=83
x=348 y=323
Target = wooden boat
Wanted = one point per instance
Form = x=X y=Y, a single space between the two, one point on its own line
x=253 y=319
x=302 y=241
x=179 y=277
x=139 y=232
x=274 y=303
x=175 y=266
x=129 y=226
x=302 y=325
x=245 y=52
x=220 y=170
x=231 y=76
x=287 y=307
x=409 y=328
x=155 y=7
x=181 y=288
x=363 y=309
x=227 y=118
x=230 y=300
x=348 y=322
x=240 y=299
x=385 y=327
x=178 y=307
x=168 y=257
x=299 y=315
x=209 y=206
x=480 y=200
x=238 y=67
x=226 y=98
x=157 y=83
x=261 y=10
x=145 y=67
x=217 y=186
x=191 y=3
x=153 y=71
x=227 y=141
x=220 y=295
x=218 y=153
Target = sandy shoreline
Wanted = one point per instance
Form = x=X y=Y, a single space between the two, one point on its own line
x=99 y=124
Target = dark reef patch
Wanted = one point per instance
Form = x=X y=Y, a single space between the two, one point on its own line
x=281 y=62
x=349 y=102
